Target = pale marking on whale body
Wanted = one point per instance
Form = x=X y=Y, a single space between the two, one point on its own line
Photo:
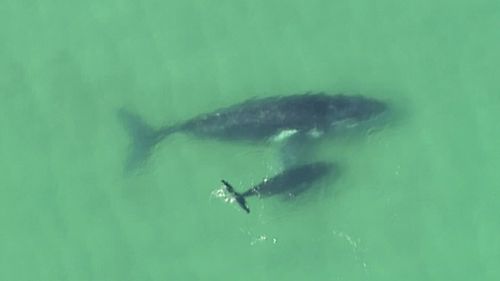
x=315 y=133
x=283 y=135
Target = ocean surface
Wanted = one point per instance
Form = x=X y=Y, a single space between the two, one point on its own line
x=417 y=199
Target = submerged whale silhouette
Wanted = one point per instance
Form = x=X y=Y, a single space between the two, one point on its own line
x=291 y=182
x=258 y=119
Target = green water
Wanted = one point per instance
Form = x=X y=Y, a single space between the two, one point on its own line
x=417 y=200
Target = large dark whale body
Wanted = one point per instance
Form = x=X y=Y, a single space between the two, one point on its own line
x=258 y=119
x=291 y=182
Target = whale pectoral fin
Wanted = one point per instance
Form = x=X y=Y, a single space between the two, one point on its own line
x=239 y=198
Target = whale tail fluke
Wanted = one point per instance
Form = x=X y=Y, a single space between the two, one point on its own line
x=240 y=199
x=143 y=137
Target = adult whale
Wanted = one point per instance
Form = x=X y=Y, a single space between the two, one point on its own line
x=258 y=119
x=291 y=182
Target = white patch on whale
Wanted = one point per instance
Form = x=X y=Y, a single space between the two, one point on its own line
x=284 y=135
x=315 y=133
x=345 y=124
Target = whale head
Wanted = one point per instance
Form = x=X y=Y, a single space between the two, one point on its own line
x=353 y=109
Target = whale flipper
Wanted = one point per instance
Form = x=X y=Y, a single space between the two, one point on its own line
x=240 y=199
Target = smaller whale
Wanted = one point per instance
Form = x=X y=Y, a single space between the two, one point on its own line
x=291 y=182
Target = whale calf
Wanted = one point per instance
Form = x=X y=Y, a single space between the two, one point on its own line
x=257 y=120
x=290 y=182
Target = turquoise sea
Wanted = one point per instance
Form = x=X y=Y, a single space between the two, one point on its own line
x=416 y=200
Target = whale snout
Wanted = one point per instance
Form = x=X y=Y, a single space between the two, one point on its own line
x=370 y=108
x=378 y=107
